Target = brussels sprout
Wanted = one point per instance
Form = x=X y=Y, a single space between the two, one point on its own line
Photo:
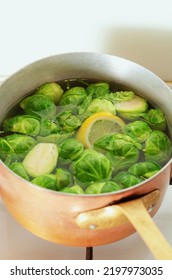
x=127 y=179
x=42 y=159
x=111 y=186
x=101 y=105
x=84 y=105
x=54 y=138
x=63 y=178
x=98 y=89
x=71 y=149
x=39 y=105
x=139 y=130
x=20 y=144
x=123 y=158
x=113 y=142
x=95 y=188
x=74 y=189
x=121 y=96
x=24 y=124
x=51 y=90
x=144 y=169
x=73 y=96
x=130 y=109
x=5 y=147
x=68 y=121
x=158 y=147
x=47 y=181
x=156 y=119
x=103 y=187
x=18 y=168
x=48 y=127
x=92 y=166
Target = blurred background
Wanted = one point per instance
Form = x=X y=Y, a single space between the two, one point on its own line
x=137 y=30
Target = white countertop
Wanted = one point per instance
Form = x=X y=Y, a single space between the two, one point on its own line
x=16 y=243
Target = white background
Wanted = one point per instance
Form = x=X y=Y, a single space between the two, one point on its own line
x=138 y=30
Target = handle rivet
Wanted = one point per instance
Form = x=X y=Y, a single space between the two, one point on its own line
x=92 y=226
x=150 y=208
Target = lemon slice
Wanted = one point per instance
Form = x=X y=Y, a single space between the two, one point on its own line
x=98 y=125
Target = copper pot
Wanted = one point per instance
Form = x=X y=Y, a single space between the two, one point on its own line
x=88 y=220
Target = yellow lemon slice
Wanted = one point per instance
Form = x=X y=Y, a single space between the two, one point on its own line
x=98 y=125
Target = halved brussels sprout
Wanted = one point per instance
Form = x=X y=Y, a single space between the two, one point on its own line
x=130 y=109
x=51 y=90
x=41 y=160
x=24 y=124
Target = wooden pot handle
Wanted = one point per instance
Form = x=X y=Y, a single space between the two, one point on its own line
x=135 y=212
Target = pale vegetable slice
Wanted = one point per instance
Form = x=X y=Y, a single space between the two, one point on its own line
x=135 y=105
x=98 y=125
x=42 y=159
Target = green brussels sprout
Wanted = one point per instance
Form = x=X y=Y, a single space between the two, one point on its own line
x=95 y=188
x=71 y=149
x=139 y=130
x=84 y=105
x=39 y=105
x=92 y=166
x=123 y=158
x=121 y=96
x=113 y=142
x=51 y=90
x=130 y=109
x=53 y=138
x=42 y=159
x=68 y=121
x=63 y=178
x=156 y=119
x=74 y=189
x=103 y=187
x=73 y=96
x=98 y=89
x=127 y=179
x=18 y=168
x=101 y=105
x=48 y=127
x=144 y=169
x=158 y=147
x=24 y=124
x=5 y=147
x=20 y=144
x=47 y=181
